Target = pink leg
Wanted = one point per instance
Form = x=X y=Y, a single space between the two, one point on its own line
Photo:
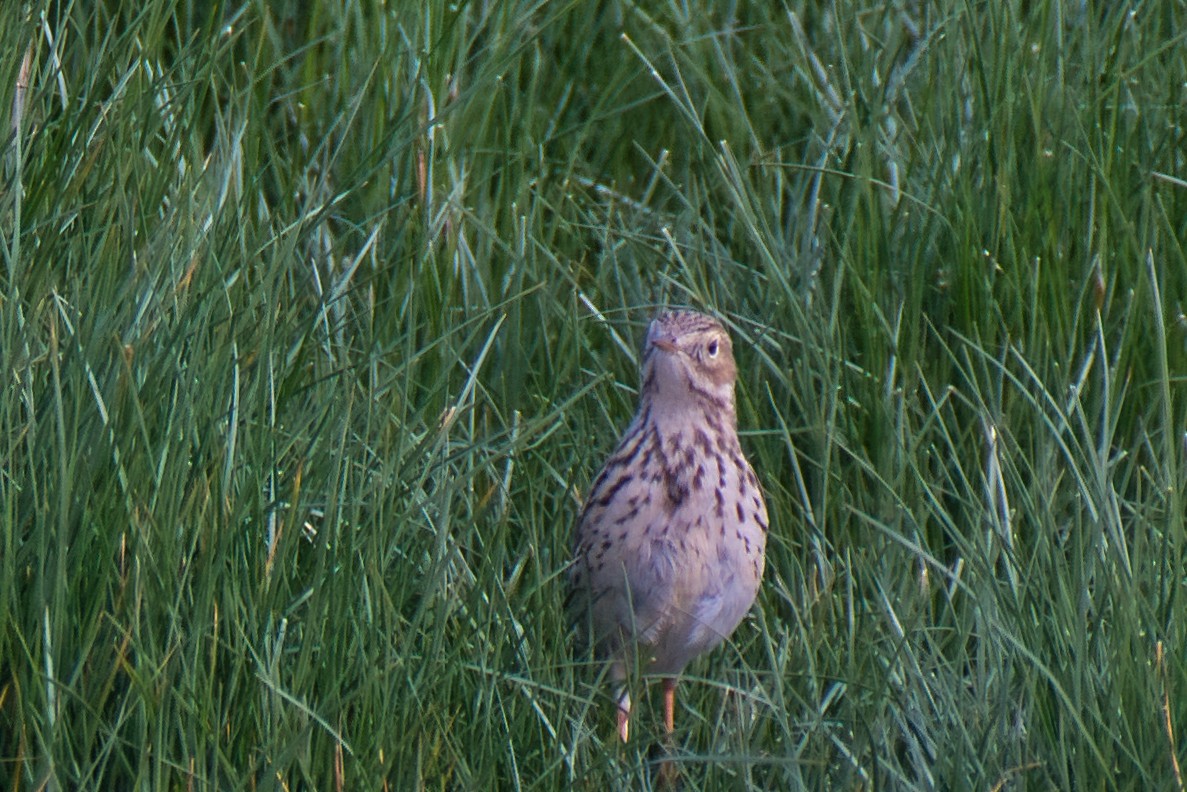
x=669 y=705
x=624 y=716
x=669 y=776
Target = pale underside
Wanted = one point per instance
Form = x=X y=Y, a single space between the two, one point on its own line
x=670 y=579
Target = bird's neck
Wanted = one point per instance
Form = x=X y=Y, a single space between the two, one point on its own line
x=671 y=417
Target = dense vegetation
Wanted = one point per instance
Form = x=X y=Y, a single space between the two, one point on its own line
x=317 y=318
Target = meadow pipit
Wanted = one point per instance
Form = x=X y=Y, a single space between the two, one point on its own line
x=670 y=542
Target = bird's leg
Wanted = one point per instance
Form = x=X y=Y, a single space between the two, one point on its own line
x=624 y=716
x=669 y=777
x=669 y=706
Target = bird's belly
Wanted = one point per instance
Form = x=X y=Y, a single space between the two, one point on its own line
x=704 y=583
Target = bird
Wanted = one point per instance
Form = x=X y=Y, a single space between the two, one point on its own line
x=669 y=544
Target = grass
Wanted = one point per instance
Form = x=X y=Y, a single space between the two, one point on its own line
x=318 y=318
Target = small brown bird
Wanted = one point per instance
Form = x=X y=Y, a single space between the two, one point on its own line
x=670 y=542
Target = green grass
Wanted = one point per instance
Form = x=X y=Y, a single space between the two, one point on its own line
x=317 y=318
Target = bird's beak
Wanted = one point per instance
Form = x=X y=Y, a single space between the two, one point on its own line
x=664 y=345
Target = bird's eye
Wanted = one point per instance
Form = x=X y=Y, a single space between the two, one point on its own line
x=712 y=348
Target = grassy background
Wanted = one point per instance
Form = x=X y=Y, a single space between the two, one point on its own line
x=317 y=318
